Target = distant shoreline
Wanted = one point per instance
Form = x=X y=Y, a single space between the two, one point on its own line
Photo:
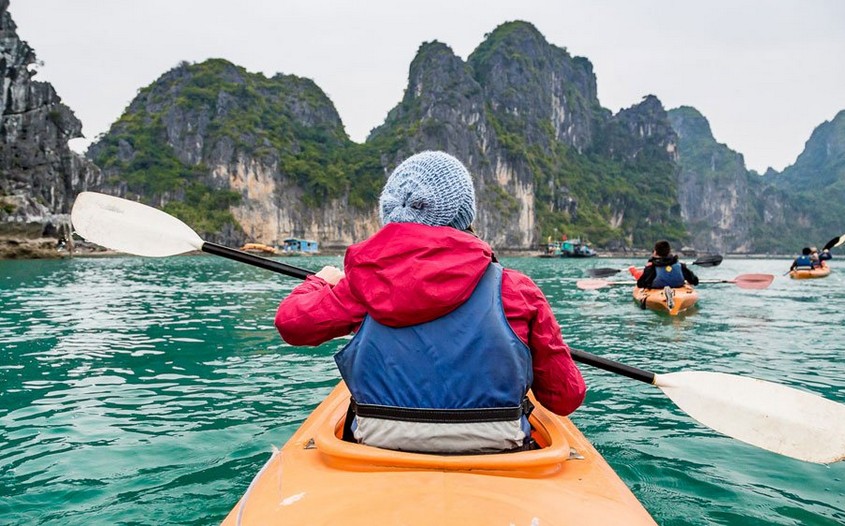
x=46 y=249
x=503 y=253
x=640 y=254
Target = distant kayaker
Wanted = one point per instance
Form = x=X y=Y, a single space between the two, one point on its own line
x=819 y=258
x=447 y=342
x=804 y=261
x=664 y=270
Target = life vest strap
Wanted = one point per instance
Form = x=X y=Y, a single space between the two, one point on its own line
x=443 y=416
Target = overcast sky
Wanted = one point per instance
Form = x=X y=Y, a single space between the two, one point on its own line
x=764 y=72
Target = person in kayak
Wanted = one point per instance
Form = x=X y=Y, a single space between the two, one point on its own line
x=819 y=259
x=664 y=270
x=447 y=342
x=804 y=261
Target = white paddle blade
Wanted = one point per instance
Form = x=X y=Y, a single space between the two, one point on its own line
x=774 y=417
x=131 y=227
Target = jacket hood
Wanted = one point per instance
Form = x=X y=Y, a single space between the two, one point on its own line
x=408 y=273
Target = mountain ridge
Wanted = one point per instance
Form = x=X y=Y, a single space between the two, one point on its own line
x=245 y=157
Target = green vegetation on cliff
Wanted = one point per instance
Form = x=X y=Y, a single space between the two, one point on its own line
x=815 y=183
x=197 y=117
x=154 y=172
x=518 y=102
x=638 y=195
x=621 y=180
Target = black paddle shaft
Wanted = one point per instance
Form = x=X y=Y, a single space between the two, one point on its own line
x=296 y=272
x=614 y=367
x=256 y=261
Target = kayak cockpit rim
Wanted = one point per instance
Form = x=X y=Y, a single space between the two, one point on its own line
x=547 y=429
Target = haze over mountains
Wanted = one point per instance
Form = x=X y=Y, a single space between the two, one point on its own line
x=242 y=157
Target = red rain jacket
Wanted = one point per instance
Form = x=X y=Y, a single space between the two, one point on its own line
x=409 y=273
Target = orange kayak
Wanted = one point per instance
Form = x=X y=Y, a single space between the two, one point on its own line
x=818 y=272
x=317 y=478
x=656 y=299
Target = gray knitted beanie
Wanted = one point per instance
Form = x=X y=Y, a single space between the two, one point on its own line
x=431 y=188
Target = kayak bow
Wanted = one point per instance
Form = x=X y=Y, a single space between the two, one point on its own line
x=319 y=479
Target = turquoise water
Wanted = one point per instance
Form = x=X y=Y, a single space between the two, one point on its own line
x=150 y=391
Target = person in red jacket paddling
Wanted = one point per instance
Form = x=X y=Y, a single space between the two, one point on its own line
x=447 y=342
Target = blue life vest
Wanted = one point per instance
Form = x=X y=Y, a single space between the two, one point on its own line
x=668 y=276
x=803 y=261
x=455 y=384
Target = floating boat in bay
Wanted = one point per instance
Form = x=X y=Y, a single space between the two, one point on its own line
x=570 y=248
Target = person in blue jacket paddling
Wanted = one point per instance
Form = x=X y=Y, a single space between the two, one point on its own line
x=804 y=261
x=664 y=270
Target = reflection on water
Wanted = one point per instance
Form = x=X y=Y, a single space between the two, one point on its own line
x=149 y=391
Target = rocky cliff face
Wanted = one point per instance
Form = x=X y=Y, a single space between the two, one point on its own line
x=714 y=187
x=445 y=108
x=814 y=186
x=821 y=164
x=548 y=159
x=270 y=156
x=240 y=157
x=243 y=157
x=39 y=174
x=728 y=208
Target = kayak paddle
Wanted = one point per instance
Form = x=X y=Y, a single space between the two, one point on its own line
x=781 y=419
x=774 y=417
x=602 y=272
x=746 y=281
x=835 y=242
x=710 y=260
x=135 y=228
x=592 y=284
x=743 y=281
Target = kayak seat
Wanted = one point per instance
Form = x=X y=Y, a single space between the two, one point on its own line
x=548 y=431
x=347 y=434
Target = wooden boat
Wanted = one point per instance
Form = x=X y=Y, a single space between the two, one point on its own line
x=807 y=273
x=682 y=298
x=317 y=478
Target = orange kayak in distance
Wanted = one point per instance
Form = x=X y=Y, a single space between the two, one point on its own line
x=317 y=478
x=818 y=272
x=682 y=298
